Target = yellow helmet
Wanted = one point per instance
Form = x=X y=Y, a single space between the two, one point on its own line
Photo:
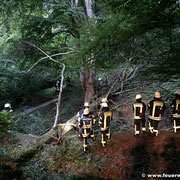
x=138 y=96
x=178 y=92
x=104 y=100
x=86 y=111
x=157 y=94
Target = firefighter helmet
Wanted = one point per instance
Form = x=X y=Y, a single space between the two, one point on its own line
x=157 y=94
x=178 y=92
x=138 y=96
x=86 y=104
x=104 y=100
x=7 y=105
x=86 y=111
x=104 y=105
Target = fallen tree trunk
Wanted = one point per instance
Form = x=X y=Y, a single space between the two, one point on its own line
x=25 y=153
x=35 y=108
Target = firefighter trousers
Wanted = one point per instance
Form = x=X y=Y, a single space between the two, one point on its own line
x=153 y=126
x=104 y=136
x=176 y=124
x=85 y=140
x=139 y=124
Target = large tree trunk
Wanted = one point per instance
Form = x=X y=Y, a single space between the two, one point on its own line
x=88 y=75
x=89 y=10
x=87 y=79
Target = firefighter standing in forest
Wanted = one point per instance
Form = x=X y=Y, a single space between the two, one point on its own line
x=176 y=111
x=105 y=118
x=139 y=109
x=86 y=123
x=156 y=108
x=80 y=115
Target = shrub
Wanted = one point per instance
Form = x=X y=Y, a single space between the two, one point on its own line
x=5 y=124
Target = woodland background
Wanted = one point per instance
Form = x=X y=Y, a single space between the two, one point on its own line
x=120 y=47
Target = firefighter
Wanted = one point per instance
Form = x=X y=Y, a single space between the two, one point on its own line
x=7 y=108
x=105 y=118
x=104 y=100
x=176 y=111
x=80 y=115
x=86 y=123
x=156 y=109
x=139 y=109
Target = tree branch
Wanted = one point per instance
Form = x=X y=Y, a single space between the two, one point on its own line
x=59 y=98
x=134 y=72
x=111 y=88
x=61 y=85
x=46 y=57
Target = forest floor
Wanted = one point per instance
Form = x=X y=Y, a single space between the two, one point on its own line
x=124 y=157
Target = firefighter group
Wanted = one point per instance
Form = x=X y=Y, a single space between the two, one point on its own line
x=86 y=120
x=156 y=109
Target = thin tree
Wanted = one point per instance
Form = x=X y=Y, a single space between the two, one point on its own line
x=61 y=84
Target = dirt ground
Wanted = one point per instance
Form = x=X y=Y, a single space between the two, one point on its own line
x=130 y=156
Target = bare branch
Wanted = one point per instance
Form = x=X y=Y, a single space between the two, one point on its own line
x=134 y=72
x=46 y=57
x=113 y=102
x=59 y=98
x=33 y=45
x=61 y=85
x=111 y=88
x=124 y=72
x=58 y=54
x=121 y=92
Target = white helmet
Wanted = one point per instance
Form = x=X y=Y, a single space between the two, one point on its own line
x=7 y=105
x=86 y=104
x=157 y=94
x=104 y=100
x=86 y=111
x=178 y=92
x=104 y=105
x=138 y=96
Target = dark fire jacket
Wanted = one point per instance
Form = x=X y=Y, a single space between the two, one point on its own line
x=176 y=107
x=105 y=118
x=86 y=124
x=139 y=109
x=156 y=108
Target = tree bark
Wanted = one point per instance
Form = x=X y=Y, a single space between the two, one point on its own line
x=59 y=98
x=89 y=10
x=87 y=79
x=86 y=75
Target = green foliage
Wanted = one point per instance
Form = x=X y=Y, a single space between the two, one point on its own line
x=5 y=124
x=15 y=83
x=32 y=124
x=144 y=31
